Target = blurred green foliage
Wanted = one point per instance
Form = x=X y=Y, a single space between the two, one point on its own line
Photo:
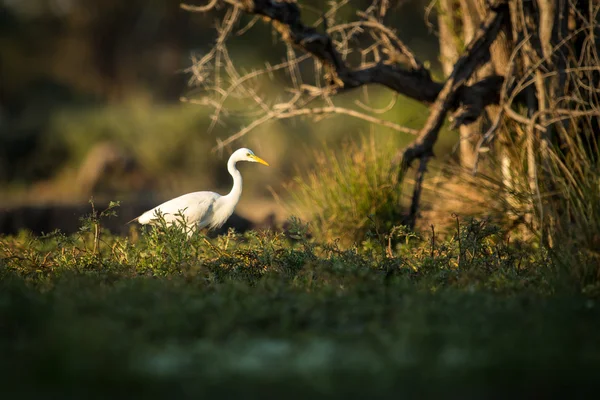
x=75 y=71
x=269 y=312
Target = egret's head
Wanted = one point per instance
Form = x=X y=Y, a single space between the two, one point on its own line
x=244 y=154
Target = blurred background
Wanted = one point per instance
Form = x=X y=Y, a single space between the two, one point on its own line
x=89 y=106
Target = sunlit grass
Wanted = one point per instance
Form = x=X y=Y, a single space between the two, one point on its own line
x=555 y=205
x=350 y=192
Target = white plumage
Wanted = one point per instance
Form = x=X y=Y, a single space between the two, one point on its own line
x=203 y=209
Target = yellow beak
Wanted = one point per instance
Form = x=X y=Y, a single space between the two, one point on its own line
x=259 y=160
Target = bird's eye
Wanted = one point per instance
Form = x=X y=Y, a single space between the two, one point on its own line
x=248 y=154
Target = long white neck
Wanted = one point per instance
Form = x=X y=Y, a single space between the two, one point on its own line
x=236 y=190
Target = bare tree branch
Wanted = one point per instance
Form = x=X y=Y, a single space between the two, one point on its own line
x=279 y=113
x=414 y=82
x=416 y=197
x=223 y=85
x=477 y=53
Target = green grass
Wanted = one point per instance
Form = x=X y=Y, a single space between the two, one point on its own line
x=278 y=315
x=351 y=194
x=186 y=338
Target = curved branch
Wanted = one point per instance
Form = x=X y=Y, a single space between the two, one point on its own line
x=212 y=4
x=414 y=82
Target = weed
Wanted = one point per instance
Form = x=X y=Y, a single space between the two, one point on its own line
x=349 y=194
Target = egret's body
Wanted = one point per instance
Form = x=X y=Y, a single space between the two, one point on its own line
x=203 y=209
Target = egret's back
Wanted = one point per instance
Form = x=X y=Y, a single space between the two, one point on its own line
x=197 y=208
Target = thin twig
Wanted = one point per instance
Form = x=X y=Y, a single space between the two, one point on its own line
x=212 y=4
x=314 y=111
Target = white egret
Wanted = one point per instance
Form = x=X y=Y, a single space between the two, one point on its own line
x=203 y=209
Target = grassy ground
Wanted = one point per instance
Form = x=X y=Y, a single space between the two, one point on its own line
x=281 y=316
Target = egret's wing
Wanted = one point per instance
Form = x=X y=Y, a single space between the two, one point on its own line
x=222 y=210
x=196 y=207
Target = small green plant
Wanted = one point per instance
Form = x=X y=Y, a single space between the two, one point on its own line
x=170 y=249
x=92 y=222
